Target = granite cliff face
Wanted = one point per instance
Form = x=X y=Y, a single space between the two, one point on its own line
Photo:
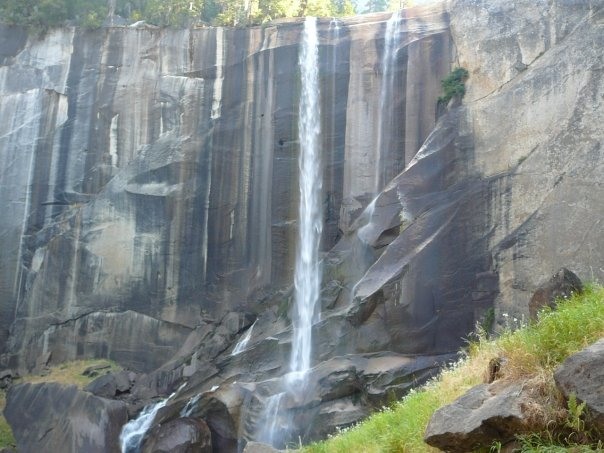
x=150 y=178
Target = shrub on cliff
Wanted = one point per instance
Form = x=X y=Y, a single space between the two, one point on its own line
x=454 y=84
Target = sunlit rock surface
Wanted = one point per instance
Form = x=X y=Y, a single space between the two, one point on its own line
x=149 y=179
x=150 y=176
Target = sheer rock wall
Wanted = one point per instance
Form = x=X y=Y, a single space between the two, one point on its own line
x=149 y=176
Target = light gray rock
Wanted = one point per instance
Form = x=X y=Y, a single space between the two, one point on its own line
x=582 y=374
x=484 y=414
x=546 y=159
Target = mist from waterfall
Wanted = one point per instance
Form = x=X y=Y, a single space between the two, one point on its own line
x=307 y=275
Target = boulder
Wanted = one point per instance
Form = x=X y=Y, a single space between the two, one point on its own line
x=6 y=378
x=182 y=435
x=582 y=374
x=486 y=413
x=110 y=385
x=62 y=418
x=562 y=285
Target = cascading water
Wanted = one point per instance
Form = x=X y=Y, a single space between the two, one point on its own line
x=385 y=114
x=242 y=344
x=270 y=432
x=133 y=432
x=190 y=406
x=307 y=276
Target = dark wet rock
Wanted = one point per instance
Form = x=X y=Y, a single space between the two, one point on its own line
x=221 y=410
x=63 y=418
x=182 y=435
x=7 y=377
x=561 y=285
x=110 y=385
x=484 y=414
x=582 y=375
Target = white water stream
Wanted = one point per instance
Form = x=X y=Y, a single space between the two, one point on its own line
x=307 y=275
x=133 y=432
x=243 y=342
x=386 y=91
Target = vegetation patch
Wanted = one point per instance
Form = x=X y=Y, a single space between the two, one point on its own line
x=73 y=372
x=531 y=352
x=454 y=85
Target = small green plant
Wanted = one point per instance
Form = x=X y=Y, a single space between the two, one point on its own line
x=495 y=447
x=454 y=85
x=575 y=414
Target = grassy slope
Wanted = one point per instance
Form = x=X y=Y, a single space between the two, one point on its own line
x=66 y=373
x=532 y=353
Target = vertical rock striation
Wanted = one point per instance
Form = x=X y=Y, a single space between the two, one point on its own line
x=150 y=175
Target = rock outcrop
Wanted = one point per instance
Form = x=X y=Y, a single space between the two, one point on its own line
x=533 y=109
x=483 y=415
x=55 y=417
x=582 y=375
x=562 y=285
x=183 y=435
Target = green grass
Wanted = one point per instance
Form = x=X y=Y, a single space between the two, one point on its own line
x=532 y=352
x=71 y=372
x=6 y=435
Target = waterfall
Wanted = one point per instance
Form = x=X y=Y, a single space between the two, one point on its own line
x=274 y=425
x=133 y=432
x=242 y=343
x=384 y=116
x=385 y=113
x=269 y=432
x=307 y=276
x=190 y=406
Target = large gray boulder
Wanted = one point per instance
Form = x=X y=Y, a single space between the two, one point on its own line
x=111 y=384
x=182 y=435
x=486 y=413
x=582 y=374
x=52 y=417
x=561 y=285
